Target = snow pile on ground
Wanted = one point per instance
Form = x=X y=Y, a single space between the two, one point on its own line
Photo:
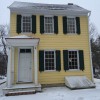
x=61 y=93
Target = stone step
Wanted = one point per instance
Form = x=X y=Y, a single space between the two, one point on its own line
x=20 y=93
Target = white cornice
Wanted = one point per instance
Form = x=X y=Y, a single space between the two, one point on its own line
x=50 y=12
x=22 y=41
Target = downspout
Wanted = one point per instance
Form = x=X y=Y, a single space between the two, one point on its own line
x=90 y=51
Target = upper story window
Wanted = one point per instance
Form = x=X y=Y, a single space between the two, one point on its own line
x=48 y=25
x=26 y=23
x=71 y=25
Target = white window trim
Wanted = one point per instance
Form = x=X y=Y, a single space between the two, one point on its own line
x=22 y=23
x=52 y=24
x=77 y=61
x=75 y=24
x=54 y=61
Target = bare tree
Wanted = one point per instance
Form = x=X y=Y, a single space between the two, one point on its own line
x=93 y=31
x=4 y=29
x=95 y=48
x=3 y=33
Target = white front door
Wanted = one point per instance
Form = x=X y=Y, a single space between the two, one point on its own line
x=25 y=65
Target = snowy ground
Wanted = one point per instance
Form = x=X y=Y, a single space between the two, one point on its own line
x=60 y=93
x=2 y=80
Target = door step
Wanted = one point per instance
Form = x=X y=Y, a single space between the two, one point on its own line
x=20 y=93
x=22 y=89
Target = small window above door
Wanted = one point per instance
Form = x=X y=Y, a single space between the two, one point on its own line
x=25 y=50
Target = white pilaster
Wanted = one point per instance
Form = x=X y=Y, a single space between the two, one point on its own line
x=9 y=68
x=35 y=66
x=12 y=67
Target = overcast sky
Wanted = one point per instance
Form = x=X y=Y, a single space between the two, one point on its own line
x=92 y=5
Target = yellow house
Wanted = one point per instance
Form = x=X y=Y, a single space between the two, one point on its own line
x=47 y=43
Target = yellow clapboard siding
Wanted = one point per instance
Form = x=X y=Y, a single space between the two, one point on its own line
x=15 y=65
x=58 y=42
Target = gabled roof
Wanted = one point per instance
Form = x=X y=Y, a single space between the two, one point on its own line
x=39 y=6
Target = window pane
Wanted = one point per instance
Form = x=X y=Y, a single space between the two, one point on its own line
x=28 y=50
x=73 y=61
x=22 y=50
x=49 y=60
x=71 y=25
x=48 y=24
x=26 y=23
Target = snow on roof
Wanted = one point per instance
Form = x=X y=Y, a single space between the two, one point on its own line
x=41 y=6
x=20 y=36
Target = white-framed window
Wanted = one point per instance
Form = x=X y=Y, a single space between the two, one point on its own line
x=48 y=24
x=26 y=23
x=71 y=25
x=49 y=60
x=73 y=59
x=25 y=50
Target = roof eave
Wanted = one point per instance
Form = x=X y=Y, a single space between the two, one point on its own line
x=44 y=11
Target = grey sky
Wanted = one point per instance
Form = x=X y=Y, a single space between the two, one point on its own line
x=92 y=5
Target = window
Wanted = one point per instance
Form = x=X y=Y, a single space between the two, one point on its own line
x=49 y=60
x=26 y=23
x=48 y=25
x=73 y=59
x=71 y=25
x=25 y=50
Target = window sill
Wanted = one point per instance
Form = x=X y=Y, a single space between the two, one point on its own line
x=49 y=33
x=71 y=34
x=74 y=70
x=26 y=32
x=49 y=70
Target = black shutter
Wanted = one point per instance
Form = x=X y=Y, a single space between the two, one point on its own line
x=56 y=24
x=41 y=24
x=78 y=25
x=81 y=60
x=65 y=25
x=18 y=28
x=65 y=59
x=58 y=60
x=33 y=24
x=41 y=60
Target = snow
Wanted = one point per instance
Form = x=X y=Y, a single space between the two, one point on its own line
x=21 y=36
x=78 y=82
x=61 y=93
x=2 y=80
x=1 y=87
